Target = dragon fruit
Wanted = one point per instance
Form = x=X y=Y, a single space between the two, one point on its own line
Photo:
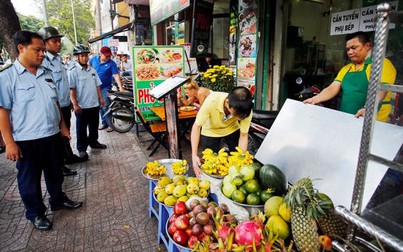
x=249 y=233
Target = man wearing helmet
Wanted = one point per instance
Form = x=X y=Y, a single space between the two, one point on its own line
x=86 y=96
x=53 y=61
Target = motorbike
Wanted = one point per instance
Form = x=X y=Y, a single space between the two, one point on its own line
x=121 y=111
x=306 y=92
x=260 y=125
x=127 y=80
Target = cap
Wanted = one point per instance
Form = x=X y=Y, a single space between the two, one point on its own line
x=105 y=51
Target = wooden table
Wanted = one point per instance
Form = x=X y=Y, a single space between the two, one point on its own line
x=160 y=112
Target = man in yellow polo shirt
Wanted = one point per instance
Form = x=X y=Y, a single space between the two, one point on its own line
x=353 y=80
x=222 y=116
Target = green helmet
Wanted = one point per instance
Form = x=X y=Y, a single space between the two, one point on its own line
x=78 y=49
x=49 y=32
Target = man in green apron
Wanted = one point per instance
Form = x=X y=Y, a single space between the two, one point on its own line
x=353 y=79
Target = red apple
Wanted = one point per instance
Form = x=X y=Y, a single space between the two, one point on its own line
x=189 y=231
x=172 y=229
x=192 y=241
x=180 y=208
x=182 y=222
x=173 y=218
x=180 y=237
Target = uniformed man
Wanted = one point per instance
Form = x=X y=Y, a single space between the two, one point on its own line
x=32 y=125
x=53 y=61
x=86 y=96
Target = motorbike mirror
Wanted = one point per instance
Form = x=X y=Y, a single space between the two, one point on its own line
x=298 y=81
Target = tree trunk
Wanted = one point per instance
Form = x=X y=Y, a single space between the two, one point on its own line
x=9 y=24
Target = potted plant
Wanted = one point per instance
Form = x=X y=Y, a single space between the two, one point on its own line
x=218 y=78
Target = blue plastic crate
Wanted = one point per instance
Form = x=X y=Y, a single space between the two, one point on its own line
x=153 y=204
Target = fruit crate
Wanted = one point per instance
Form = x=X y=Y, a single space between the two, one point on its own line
x=153 y=204
x=162 y=213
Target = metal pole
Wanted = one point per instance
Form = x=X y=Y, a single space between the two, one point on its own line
x=74 y=22
x=45 y=13
x=379 y=49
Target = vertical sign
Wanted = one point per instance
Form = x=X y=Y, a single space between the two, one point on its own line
x=152 y=65
x=233 y=24
x=246 y=64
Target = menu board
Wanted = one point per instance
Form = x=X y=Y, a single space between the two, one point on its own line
x=153 y=65
x=246 y=62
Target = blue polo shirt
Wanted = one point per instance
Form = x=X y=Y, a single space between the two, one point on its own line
x=105 y=71
x=85 y=82
x=31 y=100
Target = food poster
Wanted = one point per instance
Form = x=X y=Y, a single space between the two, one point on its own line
x=247 y=44
x=246 y=68
x=152 y=65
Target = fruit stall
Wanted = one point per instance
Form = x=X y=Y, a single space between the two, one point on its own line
x=282 y=199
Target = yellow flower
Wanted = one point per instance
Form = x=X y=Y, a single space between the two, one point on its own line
x=215 y=67
x=213 y=80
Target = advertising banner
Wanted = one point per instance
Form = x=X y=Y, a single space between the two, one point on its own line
x=351 y=21
x=246 y=62
x=152 y=65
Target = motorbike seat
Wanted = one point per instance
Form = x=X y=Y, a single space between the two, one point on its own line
x=264 y=117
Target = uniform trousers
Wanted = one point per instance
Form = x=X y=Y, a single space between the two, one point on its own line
x=39 y=155
x=66 y=111
x=88 y=118
x=214 y=143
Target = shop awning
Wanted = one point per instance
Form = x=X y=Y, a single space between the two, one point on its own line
x=111 y=33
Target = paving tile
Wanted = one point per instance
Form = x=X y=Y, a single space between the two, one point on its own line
x=114 y=216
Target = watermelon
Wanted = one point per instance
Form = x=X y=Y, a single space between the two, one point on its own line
x=272 y=177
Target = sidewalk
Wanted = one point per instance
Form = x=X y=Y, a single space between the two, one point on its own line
x=115 y=194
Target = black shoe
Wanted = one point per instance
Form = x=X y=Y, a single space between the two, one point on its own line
x=75 y=159
x=42 y=223
x=83 y=154
x=98 y=146
x=67 y=204
x=68 y=172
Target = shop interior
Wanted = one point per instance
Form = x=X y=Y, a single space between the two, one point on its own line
x=312 y=53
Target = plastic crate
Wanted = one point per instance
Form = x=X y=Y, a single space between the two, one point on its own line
x=153 y=204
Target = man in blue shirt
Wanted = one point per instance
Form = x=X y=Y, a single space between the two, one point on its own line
x=106 y=69
x=86 y=96
x=53 y=61
x=32 y=125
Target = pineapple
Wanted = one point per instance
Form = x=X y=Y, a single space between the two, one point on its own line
x=331 y=223
x=307 y=206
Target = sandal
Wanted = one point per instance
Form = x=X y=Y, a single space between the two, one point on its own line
x=102 y=127
x=109 y=129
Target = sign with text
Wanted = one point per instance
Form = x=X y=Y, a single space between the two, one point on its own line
x=153 y=65
x=351 y=21
x=113 y=42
